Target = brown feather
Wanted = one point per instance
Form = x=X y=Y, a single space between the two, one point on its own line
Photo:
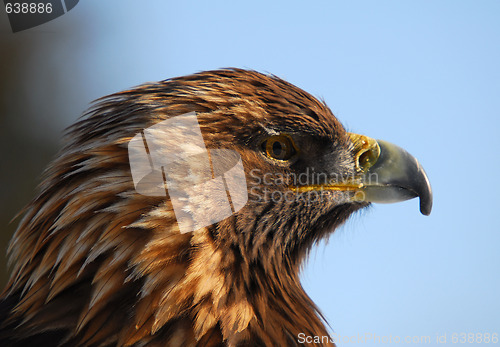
x=100 y=264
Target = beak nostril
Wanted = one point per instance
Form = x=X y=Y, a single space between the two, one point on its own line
x=367 y=151
x=364 y=159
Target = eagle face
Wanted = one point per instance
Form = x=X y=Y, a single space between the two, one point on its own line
x=293 y=168
x=95 y=262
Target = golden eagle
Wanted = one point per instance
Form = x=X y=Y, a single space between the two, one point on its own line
x=96 y=263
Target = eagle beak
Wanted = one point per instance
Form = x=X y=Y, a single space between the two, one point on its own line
x=390 y=174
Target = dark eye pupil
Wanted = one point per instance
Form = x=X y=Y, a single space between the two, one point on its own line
x=277 y=149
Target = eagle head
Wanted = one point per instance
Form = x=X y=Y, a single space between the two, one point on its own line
x=179 y=213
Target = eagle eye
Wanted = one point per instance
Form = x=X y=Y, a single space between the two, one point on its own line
x=279 y=147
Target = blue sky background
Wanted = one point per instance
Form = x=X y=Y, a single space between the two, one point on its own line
x=422 y=74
